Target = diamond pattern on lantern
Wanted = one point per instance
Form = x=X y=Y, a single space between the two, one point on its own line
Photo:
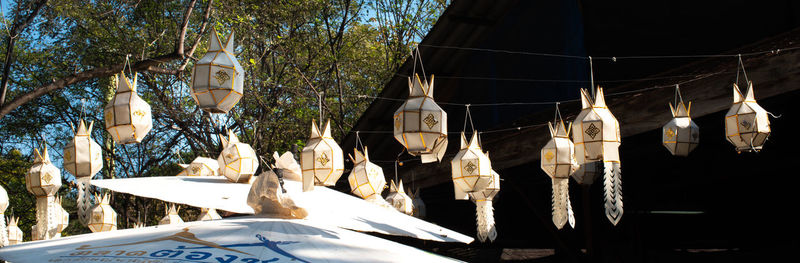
x=47 y=177
x=430 y=120
x=549 y=155
x=221 y=76
x=139 y=113
x=592 y=131
x=746 y=124
x=470 y=167
x=670 y=133
x=323 y=159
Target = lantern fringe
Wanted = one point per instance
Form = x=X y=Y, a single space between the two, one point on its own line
x=84 y=203
x=46 y=225
x=570 y=213
x=485 y=215
x=3 y=231
x=561 y=202
x=612 y=190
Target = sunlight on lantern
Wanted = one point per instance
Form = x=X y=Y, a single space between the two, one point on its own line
x=322 y=160
x=127 y=116
x=420 y=124
x=746 y=123
x=218 y=79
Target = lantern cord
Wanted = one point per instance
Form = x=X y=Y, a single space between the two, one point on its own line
x=179 y=156
x=128 y=64
x=557 y=115
x=83 y=107
x=358 y=141
x=421 y=65
x=678 y=96
x=468 y=116
x=741 y=65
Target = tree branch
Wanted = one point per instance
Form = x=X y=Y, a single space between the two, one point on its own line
x=144 y=65
x=11 y=40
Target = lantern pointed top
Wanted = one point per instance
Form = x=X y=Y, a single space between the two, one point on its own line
x=327 y=132
x=42 y=157
x=171 y=209
x=749 y=96
x=585 y=101
x=82 y=130
x=419 y=88
x=13 y=220
x=392 y=187
x=681 y=110
x=599 y=99
x=183 y=165
x=359 y=157
x=214 y=44
x=124 y=83
x=315 y=133
x=232 y=138
x=473 y=143
x=400 y=187
x=229 y=45
x=560 y=130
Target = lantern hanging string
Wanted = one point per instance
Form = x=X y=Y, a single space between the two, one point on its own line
x=417 y=56
x=591 y=77
x=359 y=143
x=557 y=115
x=678 y=97
x=741 y=65
x=468 y=116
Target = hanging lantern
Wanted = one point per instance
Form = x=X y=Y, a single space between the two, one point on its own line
x=14 y=233
x=172 y=217
x=484 y=211
x=83 y=156
x=3 y=207
x=471 y=168
x=127 y=116
x=103 y=217
x=322 y=160
x=597 y=141
x=218 y=79
x=43 y=180
x=83 y=159
x=420 y=124
x=681 y=135
x=399 y=199
x=201 y=166
x=366 y=179
x=138 y=225
x=62 y=216
x=558 y=161
x=746 y=123
x=208 y=214
x=237 y=161
x=419 y=206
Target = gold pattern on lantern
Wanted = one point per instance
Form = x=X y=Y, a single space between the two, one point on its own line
x=549 y=155
x=746 y=124
x=323 y=159
x=97 y=217
x=229 y=156
x=139 y=113
x=195 y=169
x=470 y=167
x=670 y=133
x=398 y=122
x=592 y=131
x=47 y=177
x=430 y=120
x=222 y=76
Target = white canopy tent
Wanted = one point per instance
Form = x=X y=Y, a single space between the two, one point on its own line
x=246 y=239
x=325 y=206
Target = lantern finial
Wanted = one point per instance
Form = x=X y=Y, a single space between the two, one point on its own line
x=737 y=94
x=125 y=84
x=750 y=96
x=585 y=101
x=229 y=46
x=214 y=44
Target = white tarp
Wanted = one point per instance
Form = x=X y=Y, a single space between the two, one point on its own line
x=246 y=239
x=325 y=206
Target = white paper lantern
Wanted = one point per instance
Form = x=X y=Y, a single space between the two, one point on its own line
x=200 y=166
x=484 y=211
x=597 y=140
x=127 y=116
x=558 y=161
x=471 y=168
x=15 y=234
x=218 y=78
x=103 y=217
x=746 y=123
x=681 y=135
x=322 y=160
x=399 y=199
x=366 y=179
x=420 y=209
x=238 y=161
x=172 y=217
x=420 y=124
x=207 y=214
x=83 y=156
x=43 y=179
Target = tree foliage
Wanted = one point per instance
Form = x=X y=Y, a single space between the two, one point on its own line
x=294 y=53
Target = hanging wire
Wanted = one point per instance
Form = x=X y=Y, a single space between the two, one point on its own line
x=557 y=114
x=741 y=65
x=591 y=77
x=468 y=116
x=358 y=142
x=678 y=96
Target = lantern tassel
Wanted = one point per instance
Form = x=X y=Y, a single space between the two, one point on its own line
x=560 y=202
x=84 y=203
x=485 y=215
x=612 y=189
x=3 y=231
x=570 y=213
